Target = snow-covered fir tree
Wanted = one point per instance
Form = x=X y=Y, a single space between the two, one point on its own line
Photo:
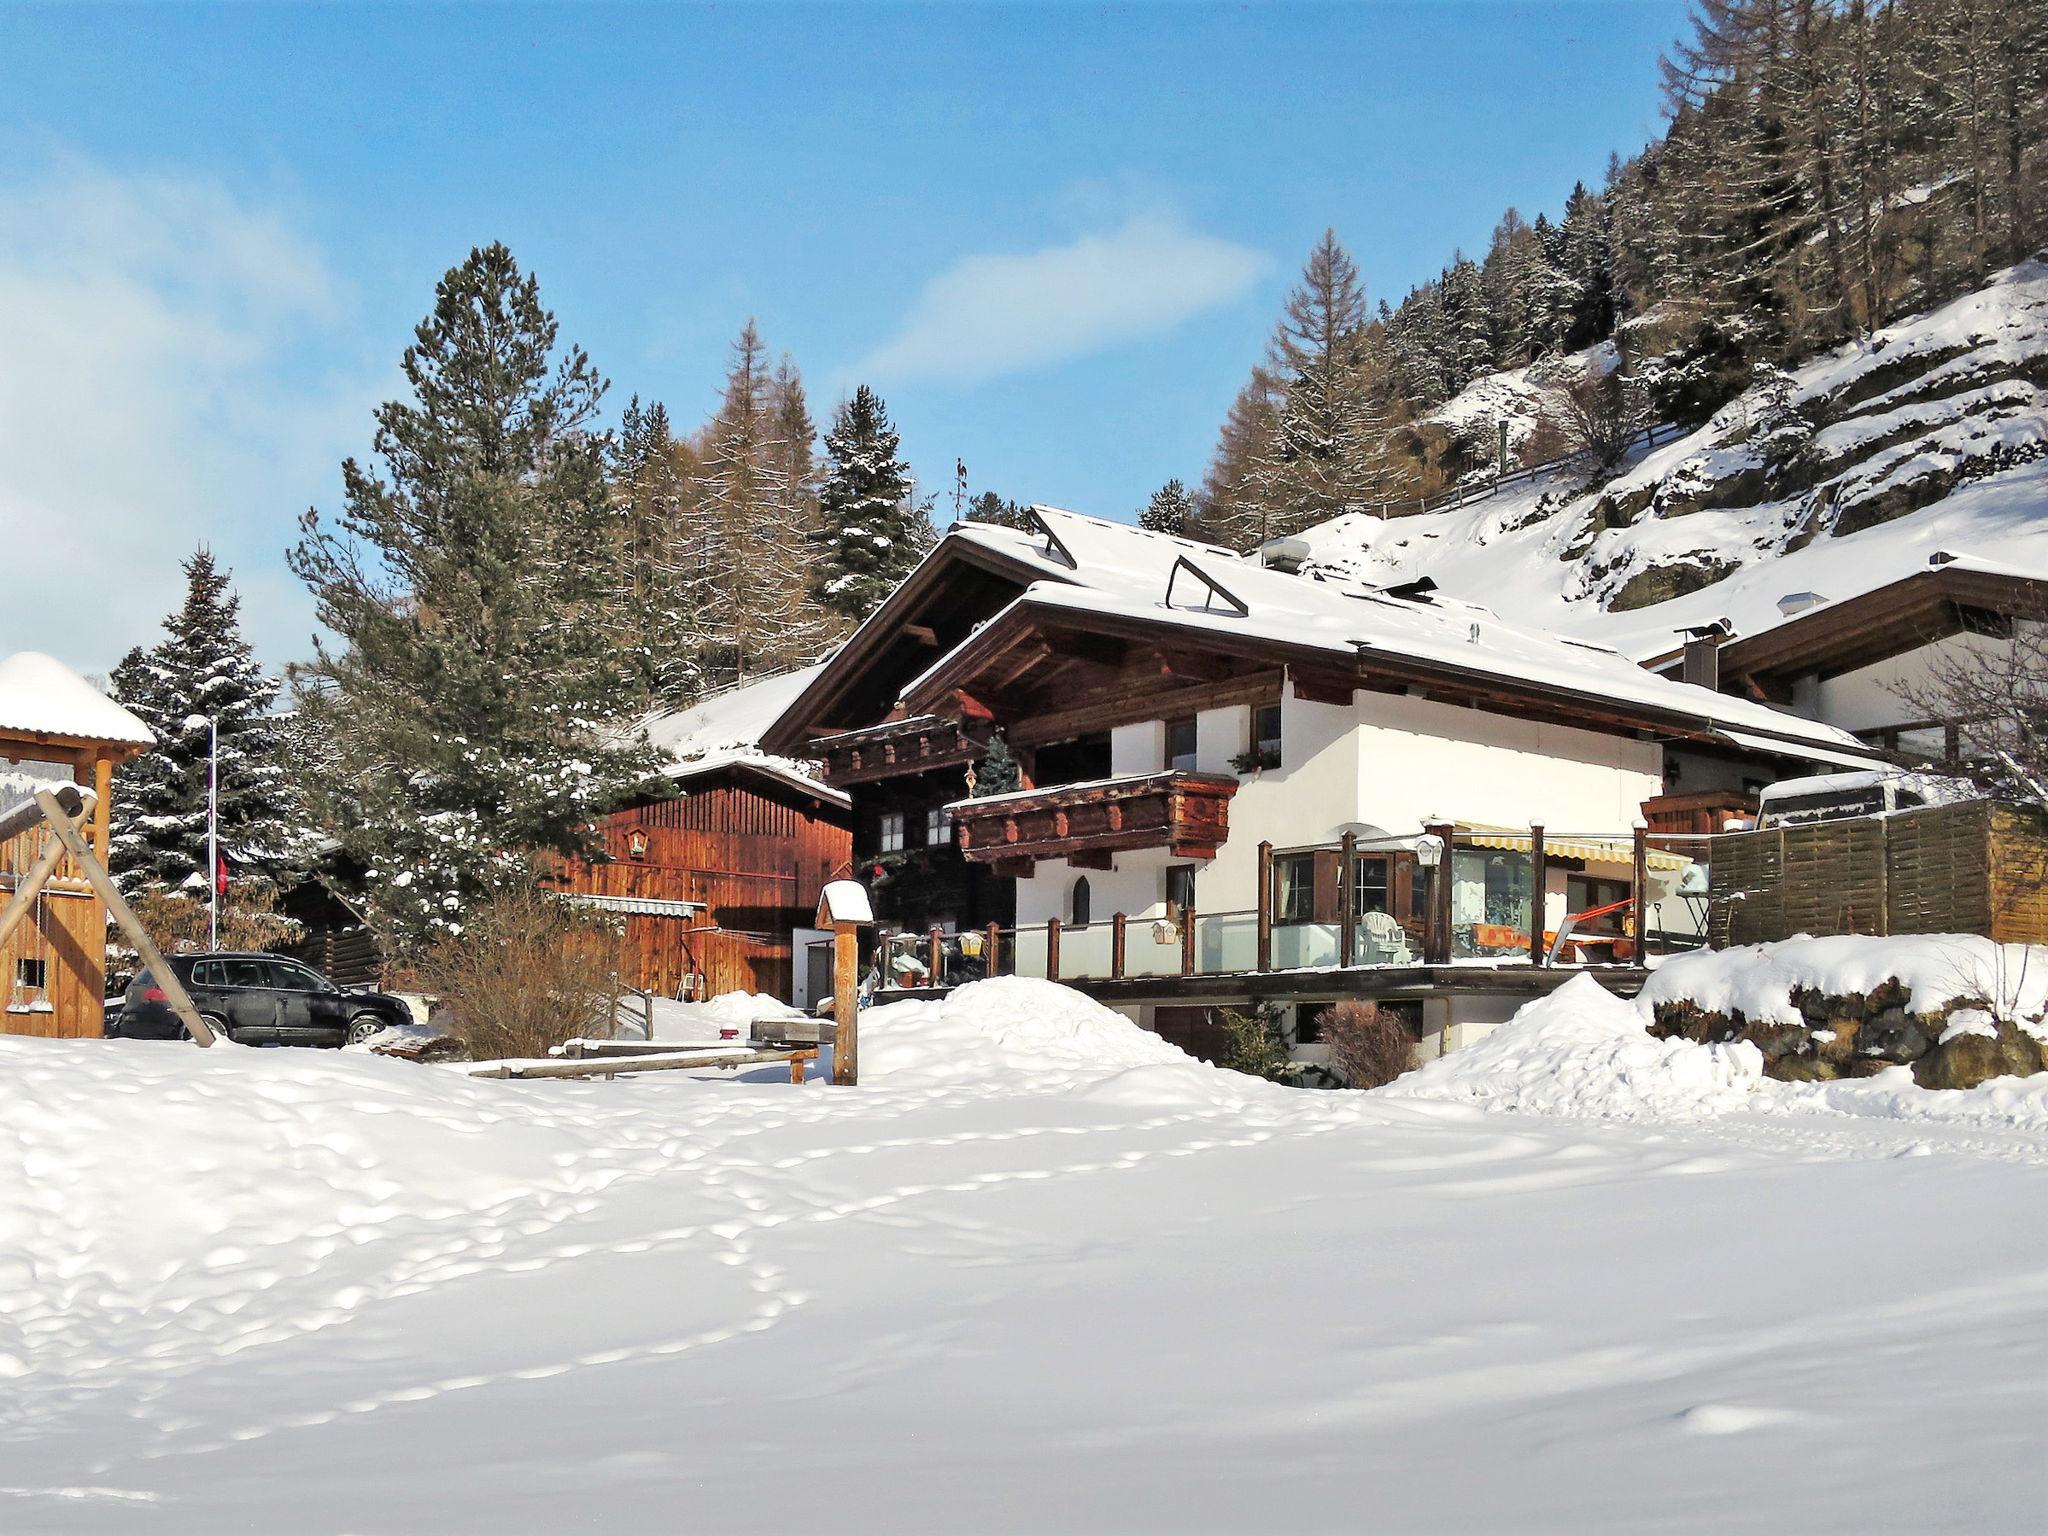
x=1234 y=507
x=874 y=532
x=649 y=473
x=203 y=677
x=1168 y=510
x=474 y=706
x=1328 y=437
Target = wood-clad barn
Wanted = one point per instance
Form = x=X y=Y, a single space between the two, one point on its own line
x=55 y=727
x=719 y=882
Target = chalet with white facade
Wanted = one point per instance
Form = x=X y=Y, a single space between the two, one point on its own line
x=1241 y=784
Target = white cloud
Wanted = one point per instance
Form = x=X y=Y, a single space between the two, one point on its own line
x=989 y=315
x=159 y=389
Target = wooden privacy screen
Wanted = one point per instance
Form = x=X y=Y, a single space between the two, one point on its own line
x=1969 y=868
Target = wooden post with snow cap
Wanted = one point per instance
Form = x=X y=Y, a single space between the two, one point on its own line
x=843 y=907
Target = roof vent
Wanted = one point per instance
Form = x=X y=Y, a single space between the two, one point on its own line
x=1799 y=602
x=1942 y=557
x=1285 y=554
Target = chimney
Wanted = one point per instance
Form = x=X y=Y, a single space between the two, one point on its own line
x=1702 y=664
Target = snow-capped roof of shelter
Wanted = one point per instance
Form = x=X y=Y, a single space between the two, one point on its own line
x=1215 y=593
x=724 y=731
x=1089 y=551
x=40 y=696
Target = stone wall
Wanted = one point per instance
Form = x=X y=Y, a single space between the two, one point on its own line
x=1859 y=1034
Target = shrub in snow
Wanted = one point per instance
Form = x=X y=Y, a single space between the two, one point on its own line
x=1254 y=1044
x=1369 y=1045
x=526 y=973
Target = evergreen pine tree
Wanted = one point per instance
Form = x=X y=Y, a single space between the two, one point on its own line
x=998 y=772
x=474 y=708
x=203 y=678
x=1168 y=510
x=874 y=534
x=988 y=507
x=649 y=480
x=1234 y=509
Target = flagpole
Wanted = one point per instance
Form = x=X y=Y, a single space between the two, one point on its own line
x=213 y=833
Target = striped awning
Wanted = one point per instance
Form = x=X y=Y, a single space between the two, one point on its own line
x=1594 y=850
x=634 y=906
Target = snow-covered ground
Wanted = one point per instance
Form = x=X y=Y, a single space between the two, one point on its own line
x=1039 y=1273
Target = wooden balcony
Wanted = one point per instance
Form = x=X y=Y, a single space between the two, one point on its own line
x=894 y=747
x=1187 y=814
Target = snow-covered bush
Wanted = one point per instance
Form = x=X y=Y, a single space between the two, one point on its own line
x=1369 y=1045
x=526 y=973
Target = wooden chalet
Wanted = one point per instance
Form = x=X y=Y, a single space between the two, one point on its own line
x=1241 y=783
x=55 y=727
x=718 y=882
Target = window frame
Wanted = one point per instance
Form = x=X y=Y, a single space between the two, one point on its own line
x=1294 y=886
x=1258 y=742
x=938 y=827
x=1173 y=759
x=892 y=832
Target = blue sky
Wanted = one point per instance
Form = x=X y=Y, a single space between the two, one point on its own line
x=1054 y=236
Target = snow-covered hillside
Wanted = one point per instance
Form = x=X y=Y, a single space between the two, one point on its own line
x=1038 y=1273
x=1841 y=476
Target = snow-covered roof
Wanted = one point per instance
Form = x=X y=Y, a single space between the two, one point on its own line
x=1356 y=621
x=724 y=731
x=40 y=696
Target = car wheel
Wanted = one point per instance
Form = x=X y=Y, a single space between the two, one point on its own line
x=362 y=1026
x=214 y=1022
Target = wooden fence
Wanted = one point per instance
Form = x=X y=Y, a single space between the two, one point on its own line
x=1969 y=868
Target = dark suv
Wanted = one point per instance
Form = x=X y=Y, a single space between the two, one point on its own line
x=256 y=1000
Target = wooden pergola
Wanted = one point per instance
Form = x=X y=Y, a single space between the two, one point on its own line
x=56 y=728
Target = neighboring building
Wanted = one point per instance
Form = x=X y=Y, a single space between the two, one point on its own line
x=55 y=727
x=1856 y=662
x=1244 y=784
x=719 y=882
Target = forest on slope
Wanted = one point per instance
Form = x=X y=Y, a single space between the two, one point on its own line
x=1828 y=167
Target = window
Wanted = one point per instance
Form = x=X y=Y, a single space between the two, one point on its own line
x=938 y=826
x=1371 y=887
x=207 y=973
x=1308 y=1025
x=296 y=978
x=1180 y=890
x=892 y=832
x=246 y=973
x=1264 y=748
x=1294 y=888
x=1180 y=745
x=1078 y=903
x=31 y=974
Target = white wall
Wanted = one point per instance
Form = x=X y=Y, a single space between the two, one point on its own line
x=1387 y=762
x=1868 y=698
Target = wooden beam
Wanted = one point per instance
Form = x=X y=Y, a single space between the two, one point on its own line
x=32 y=883
x=1436 y=939
x=1117 y=930
x=1152 y=703
x=1092 y=858
x=125 y=918
x=1321 y=689
x=1347 y=900
x=923 y=634
x=1052 y=949
x=1539 y=878
x=1265 y=919
x=846 y=1001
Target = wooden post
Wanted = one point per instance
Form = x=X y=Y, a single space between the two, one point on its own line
x=1539 y=878
x=1116 y=947
x=1639 y=890
x=1264 y=961
x=1436 y=943
x=1052 y=949
x=935 y=957
x=1347 y=900
x=1187 y=940
x=846 y=1004
x=103 y=806
x=124 y=916
x=843 y=907
x=993 y=965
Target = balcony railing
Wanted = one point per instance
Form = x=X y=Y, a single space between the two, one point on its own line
x=1474 y=905
x=1187 y=814
x=915 y=745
